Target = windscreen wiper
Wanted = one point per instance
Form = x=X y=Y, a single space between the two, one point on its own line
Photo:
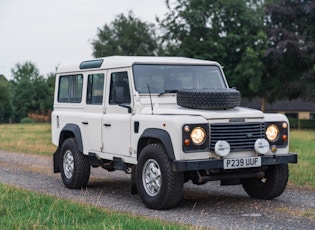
x=169 y=91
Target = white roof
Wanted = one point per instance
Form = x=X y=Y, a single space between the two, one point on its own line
x=127 y=61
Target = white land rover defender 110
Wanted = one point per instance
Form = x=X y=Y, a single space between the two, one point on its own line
x=165 y=120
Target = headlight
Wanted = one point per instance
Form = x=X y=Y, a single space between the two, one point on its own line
x=198 y=135
x=272 y=132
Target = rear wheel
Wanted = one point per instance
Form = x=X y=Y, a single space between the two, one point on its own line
x=158 y=185
x=269 y=187
x=74 y=166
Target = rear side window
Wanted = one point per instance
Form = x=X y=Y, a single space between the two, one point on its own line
x=70 y=88
x=95 y=87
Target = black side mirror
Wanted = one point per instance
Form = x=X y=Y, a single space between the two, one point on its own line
x=119 y=95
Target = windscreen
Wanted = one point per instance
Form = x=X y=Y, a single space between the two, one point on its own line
x=170 y=78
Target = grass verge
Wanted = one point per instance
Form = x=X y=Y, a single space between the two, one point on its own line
x=303 y=143
x=21 y=209
x=27 y=138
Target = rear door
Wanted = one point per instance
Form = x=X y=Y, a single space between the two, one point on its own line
x=93 y=111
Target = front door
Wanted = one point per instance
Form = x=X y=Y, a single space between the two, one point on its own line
x=116 y=119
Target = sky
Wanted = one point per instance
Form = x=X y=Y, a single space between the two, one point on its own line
x=51 y=32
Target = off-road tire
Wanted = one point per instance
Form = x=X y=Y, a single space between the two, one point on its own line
x=170 y=186
x=271 y=186
x=209 y=98
x=74 y=166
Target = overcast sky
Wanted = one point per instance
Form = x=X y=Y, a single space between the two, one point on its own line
x=51 y=32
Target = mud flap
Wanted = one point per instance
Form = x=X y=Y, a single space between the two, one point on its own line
x=134 y=189
x=56 y=160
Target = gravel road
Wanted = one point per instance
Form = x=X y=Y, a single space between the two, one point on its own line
x=210 y=205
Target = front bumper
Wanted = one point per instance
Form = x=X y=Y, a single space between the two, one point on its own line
x=192 y=165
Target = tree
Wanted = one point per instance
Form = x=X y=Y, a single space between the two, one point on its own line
x=228 y=31
x=43 y=99
x=51 y=91
x=267 y=49
x=6 y=108
x=290 y=59
x=30 y=91
x=126 y=35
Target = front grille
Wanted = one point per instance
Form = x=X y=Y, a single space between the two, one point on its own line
x=240 y=136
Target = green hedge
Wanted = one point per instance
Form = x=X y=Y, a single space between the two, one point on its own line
x=26 y=120
x=301 y=124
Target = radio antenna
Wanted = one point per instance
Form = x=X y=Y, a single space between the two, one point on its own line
x=150 y=98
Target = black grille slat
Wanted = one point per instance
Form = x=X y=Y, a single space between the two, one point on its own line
x=237 y=135
x=240 y=136
x=235 y=131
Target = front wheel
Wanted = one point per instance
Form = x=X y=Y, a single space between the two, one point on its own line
x=269 y=187
x=158 y=185
x=74 y=166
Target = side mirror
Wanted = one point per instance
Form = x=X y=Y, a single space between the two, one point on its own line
x=119 y=95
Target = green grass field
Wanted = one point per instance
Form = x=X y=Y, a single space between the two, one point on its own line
x=27 y=138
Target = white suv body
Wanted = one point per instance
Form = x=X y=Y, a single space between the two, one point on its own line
x=167 y=120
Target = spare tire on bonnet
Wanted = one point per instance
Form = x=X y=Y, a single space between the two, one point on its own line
x=208 y=98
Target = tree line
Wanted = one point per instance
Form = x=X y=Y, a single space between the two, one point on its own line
x=28 y=94
x=267 y=49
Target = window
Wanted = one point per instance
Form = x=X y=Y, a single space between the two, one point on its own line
x=162 y=78
x=70 y=88
x=119 y=82
x=95 y=87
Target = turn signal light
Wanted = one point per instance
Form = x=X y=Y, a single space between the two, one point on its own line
x=284 y=137
x=186 y=142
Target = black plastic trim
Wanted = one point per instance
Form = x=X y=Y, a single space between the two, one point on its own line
x=282 y=131
x=56 y=161
x=205 y=146
x=136 y=126
x=161 y=135
x=192 y=165
x=75 y=130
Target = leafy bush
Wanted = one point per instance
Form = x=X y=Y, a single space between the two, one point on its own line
x=26 y=120
x=302 y=124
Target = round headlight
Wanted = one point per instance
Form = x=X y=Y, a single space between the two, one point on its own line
x=198 y=135
x=272 y=132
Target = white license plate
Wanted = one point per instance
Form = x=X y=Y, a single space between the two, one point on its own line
x=236 y=163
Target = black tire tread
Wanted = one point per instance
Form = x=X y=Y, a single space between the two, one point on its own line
x=277 y=179
x=172 y=183
x=209 y=98
x=82 y=167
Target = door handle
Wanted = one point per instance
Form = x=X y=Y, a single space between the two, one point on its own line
x=107 y=125
x=85 y=122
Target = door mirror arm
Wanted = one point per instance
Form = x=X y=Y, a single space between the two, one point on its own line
x=126 y=106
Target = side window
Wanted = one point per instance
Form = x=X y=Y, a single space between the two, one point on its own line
x=95 y=87
x=70 y=88
x=119 y=88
